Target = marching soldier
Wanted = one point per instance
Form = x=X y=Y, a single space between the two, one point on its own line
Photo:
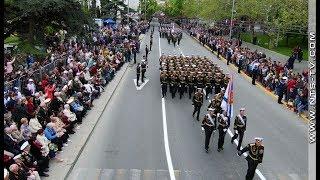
x=173 y=85
x=168 y=37
x=182 y=84
x=179 y=38
x=143 y=70
x=207 y=85
x=197 y=102
x=209 y=124
x=217 y=87
x=190 y=84
x=164 y=84
x=223 y=124
x=147 y=52
x=174 y=40
x=216 y=101
x=255 y=156
x=200 y=80
x=138 y=73
x=240 y=125
x=150 y=43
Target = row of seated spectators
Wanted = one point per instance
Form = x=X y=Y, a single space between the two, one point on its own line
x=39 y=119
x=272 y=74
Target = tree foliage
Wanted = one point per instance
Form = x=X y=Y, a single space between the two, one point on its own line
x=32 y=20
x=148 y=7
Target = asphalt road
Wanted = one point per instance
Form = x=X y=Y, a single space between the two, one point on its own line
x=128 y=142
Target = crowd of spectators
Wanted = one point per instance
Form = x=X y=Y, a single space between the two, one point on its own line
x=274 y=75
x=39 y=118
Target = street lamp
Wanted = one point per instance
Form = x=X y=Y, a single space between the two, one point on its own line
x=145 y=9
x=230 y=34
x=128 y=12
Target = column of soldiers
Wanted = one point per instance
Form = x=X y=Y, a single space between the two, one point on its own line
x=171 y=33
x=198 y=76
x=186 y=74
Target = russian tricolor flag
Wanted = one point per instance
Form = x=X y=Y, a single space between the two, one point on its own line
x=227 y=101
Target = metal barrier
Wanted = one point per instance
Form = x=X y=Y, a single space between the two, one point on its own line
x=36 y=75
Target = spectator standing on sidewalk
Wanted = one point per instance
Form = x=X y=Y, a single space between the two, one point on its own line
x=281 y=87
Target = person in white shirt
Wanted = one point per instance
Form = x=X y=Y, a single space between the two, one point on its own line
x=70 y=115
x=31 y=87
x=9 y=66
x=34 y=124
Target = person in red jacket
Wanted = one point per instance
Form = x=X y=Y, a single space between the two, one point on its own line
x=30 y=106
x=49 y=90
x=45 y=81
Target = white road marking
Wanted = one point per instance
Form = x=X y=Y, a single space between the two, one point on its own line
x=245 y=154
x=165 y=133
x=141 y=85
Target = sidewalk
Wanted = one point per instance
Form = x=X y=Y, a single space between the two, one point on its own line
x=298 y=67
x=71 y=153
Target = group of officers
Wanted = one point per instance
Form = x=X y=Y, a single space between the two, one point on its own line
x=171 y=33
x=199 y=76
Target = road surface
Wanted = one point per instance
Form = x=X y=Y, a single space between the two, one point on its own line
x=128 y=142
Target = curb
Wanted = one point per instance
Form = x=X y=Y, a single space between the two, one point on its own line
x=91 y=132
x=258 y=84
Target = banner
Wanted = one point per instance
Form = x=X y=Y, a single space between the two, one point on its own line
x=227 y=101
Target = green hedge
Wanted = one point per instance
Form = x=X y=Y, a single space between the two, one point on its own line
x=263 y=41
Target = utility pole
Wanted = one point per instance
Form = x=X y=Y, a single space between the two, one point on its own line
x=231 y=18
x=128 y=12
x=145 y=9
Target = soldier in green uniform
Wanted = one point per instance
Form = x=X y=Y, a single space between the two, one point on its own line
x=255 y=156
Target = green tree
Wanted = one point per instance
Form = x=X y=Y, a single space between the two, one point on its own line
x=148 y=7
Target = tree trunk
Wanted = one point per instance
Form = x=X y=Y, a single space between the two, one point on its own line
x=277 y=41
x=31 y=30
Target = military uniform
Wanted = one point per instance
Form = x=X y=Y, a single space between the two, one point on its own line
x=255 y=157
x=197 y=102
x=240 y=125
x=223 y=124
x=143 y=70
x=164 y=84
x=209 y=123
x=173 y=85
x=182 y=84
x=208 y=86
x=138 y=73
x=191 y=85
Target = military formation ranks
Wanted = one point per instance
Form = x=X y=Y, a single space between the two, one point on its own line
x=171 y=32
x=185 y=74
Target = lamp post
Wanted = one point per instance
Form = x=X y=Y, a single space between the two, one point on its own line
x=128 y=12
x=145 y=9
x=230 y=34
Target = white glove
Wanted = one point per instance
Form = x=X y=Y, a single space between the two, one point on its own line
x=236 y=131
x=224 y=130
